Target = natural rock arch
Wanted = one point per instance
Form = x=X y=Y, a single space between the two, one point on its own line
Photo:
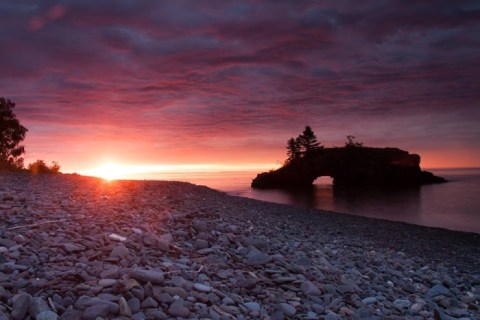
x=350 y=166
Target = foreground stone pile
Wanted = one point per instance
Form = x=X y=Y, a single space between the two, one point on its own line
x=80 y=248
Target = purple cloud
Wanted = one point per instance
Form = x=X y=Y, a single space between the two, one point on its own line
x=228 y=75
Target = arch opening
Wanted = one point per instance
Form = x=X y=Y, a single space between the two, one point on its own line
x=323 y=181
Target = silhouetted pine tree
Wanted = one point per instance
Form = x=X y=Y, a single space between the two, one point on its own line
x=308 y=141
x=293 y=150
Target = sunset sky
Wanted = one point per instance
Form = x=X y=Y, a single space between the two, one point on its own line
x=159 y=83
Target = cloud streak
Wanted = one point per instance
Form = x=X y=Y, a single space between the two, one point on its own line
x=197 y=81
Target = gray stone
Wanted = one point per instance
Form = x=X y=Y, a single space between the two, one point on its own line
x=110 y=273
x=401 y=304
x=200 y=244
x=177 y=309
x=38 y=305
x=3 y=316
x=134 y=305
x=84 y=302
x=139 y=316
x=144 y=275
x=121 y=252
x=106 y=282
x=369 y=300
x=202 y=287
x=343 y=289
x=176 y=291
x=163 y=242
x=310 y=289
x=21 y=306
x=252 y=306
x=97 y=310
x=46 y=315
x=287 y=309
x=278 y=315
x=256 y=242
x=199 y=225
x=437 y=290
x=71 y=247
x=163 y=298
x=7 y=243
x=149 y=302
x=332 y=316
x=256 y=257
x=71 y=315
x=124 y=308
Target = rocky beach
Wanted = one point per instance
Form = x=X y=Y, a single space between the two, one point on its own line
x=74 y=247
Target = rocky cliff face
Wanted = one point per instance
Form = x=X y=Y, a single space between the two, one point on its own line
x=352 y=166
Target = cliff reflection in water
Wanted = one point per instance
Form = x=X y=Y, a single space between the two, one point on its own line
x=399 y=204
x=453 y=205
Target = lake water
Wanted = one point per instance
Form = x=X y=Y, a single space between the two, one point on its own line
x=454 y=205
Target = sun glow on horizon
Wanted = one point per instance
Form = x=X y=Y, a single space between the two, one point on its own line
x=108 y=171
x=114 y=171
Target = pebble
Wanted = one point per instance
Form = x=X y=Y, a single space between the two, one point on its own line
x=144 y=275
x=369 y=300
x=95 y=311
x=46 y=315
x=437 y=290
x=252 y=306
x=191 y=252
x=310 y=289
x=202 y=287
x=177 y=309
x=21 y=305
x=287 y=309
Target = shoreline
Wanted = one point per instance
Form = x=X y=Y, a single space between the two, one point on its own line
x=191 y=251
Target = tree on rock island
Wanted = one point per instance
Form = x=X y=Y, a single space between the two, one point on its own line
x=293 y=150
x=308 y=141
x=12 y=133
x=304 y=145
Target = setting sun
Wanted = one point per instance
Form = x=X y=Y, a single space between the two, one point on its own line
x=110 y=171
x=114 y=171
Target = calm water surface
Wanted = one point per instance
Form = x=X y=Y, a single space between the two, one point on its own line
x=454 y=205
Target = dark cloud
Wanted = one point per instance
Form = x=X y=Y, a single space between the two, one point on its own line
x=203 y=70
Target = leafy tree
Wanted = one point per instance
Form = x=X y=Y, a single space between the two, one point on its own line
x=39 y=166
x=293 y=150
x=12 y=133
x=352 y=143
x=308 y=141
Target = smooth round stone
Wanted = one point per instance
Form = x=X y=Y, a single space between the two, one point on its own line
x=201 y=244
x=252 y=306
x=287 y=309
x=46 y=315
x=124 y=308
x=176 y=291
x=202 y=287
x=401 y=304
x=21 y=306
x=177 y=309
x=134 y=305
x=120 y=252
x=438 y=290
x=149 y=303
x=97 y=310
x=332 y=316
x=369 y=300
x=144 y=275
x=310 y=289
x=107 y=282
